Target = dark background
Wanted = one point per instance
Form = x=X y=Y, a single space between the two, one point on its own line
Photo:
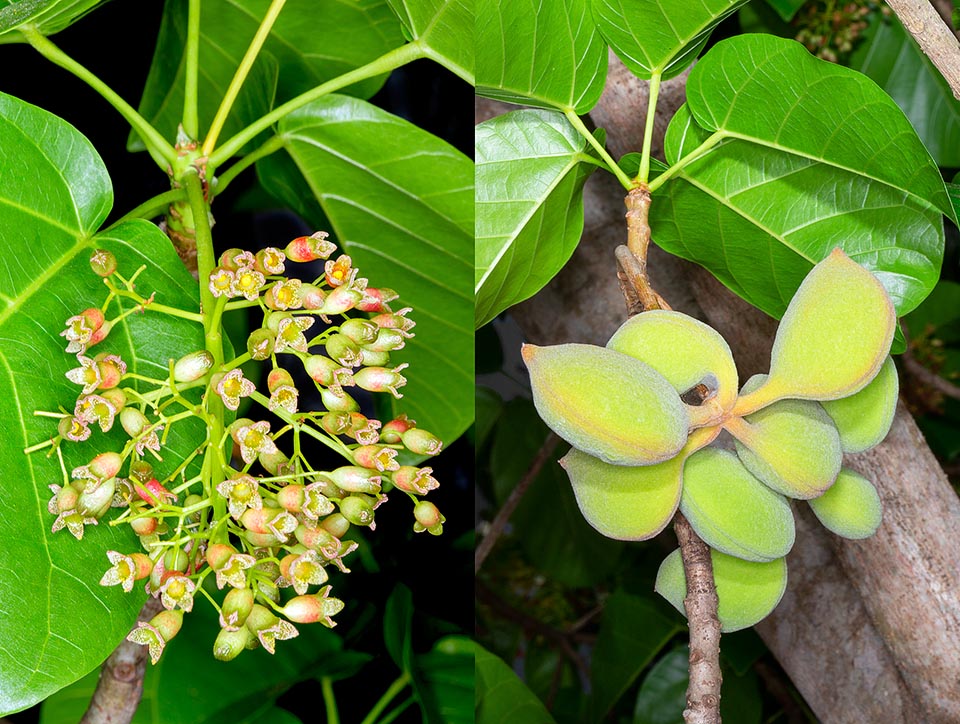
x=437 y=570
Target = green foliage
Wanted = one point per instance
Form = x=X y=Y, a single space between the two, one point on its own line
x=47 y=16
x=548 y=55
x=501 y=698
x=662 y=37
x=530 y=171
x=444 y=28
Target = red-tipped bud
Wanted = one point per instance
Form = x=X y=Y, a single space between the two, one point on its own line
x=105 y=465
x=313 y=609
x=218 y=554
x=376 y=300
x=310 y=248
x=100 y=335
x=393 y=431
x=278 y=378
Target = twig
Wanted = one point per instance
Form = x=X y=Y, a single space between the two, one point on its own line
x=700 y=604
x=935 y=38
x=703 y=692
x=120 y=686
x=529 y=623
x=503 y=516
x=929 y=377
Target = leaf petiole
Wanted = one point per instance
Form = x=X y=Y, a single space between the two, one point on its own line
x=696 y=153
x=644 y=175
x=611 y=165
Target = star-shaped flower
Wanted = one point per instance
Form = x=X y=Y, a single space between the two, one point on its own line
x=290 y=333
x=284 y=397
x=147 y=635
x=222 y=282
x=339 y=272
x=72 y=521
x=95 y=409
x=232 y=387
x=305 y=570
x=286 y=294
x=247 y=283
x=126 y=570
x=78 y=333
x=270 y=260
x=280 y=631
x=315 y=503
x=255 y=439
x=241 y=493
x=177 y=591
x=232 y=571
x=87 y=374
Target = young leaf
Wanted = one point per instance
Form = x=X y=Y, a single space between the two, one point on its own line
x=401 y=204
x=530 y=170
x=540 y=54
x=788 y=186
x=663 y=36
x=893 y=59
x=47 y=16
x=501 y=698
x=444 y=28
x=56 y=621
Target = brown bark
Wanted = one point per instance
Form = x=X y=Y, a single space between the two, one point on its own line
x=934 y=36
x=868 y=630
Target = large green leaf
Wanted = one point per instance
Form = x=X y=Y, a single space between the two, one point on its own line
x=501 y=697
x=546 y=54
x=548 y=523
x=891 y=57
x=786 y=9
x=444 y=29
x=807 y=156
x=56 y=623
x=311 y=42
x=662 y=36
x=446 y=680
x=531 y=167
x=401 y=204
x=624 y=648
x=663 y=693
x=47 y=16
x=189 y=686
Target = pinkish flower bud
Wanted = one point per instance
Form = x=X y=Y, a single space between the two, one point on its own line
x=133 y=421
x=376 y=300
x=312 y=296
x=116 y=397
x=310 y=248
x=193 y=366
x=111 y=369
x=153 y=492
x=376 y=457
x=320 y=540
x=396 y=320
x=340 y=300
x=381 y=379
x=354 y=479
x=103 y=466
x=233 y=259
x=393 y=431
x=428 y=518
x=421 y=442
x=336 y=524
x=270 y=521
x=260 y=343
x=313 y=609
x=418 y=481
x=144 y=526
x=103 y=262
x=278 y=377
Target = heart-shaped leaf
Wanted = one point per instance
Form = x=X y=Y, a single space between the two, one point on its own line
x=893 y=59
x=444 y=28
x=501 y=697
x=530 y=169
x=663 y=36
x=47 y=16
x=311 y=42
x=804 y=156
x=401 y=204
x=540 y=54
x=56 y=622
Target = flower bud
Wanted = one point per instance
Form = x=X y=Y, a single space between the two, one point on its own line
x=105 y=465
x=376 y=457
x=374 y=359
x=358 y=510
x=133 y=421
x=380 y=379
x=218 y=554
x=312 y=296
x=115 y=397
x=144 y=526
x=103 y=262
x=278 y=378
x=276 y=463
x=111 y=369
x=193 y=366
x=376 y=300
x=354 y=479
x=94 y=503
x=338 y=403
x=232 y=259
x=418 y=481
x=310 y=248
x=313 y=608
x=393 y=431
x=361 y=331
x=336 y=524
x=387 y=340
x=237 y=605
x=260 y=343
x=340 y=300
x=101 y=334
x=229 y=644
x=176 y=559
x=427 y=514
x=344 y=350
x=396 y=320
x=421 y=442
x=141 y=471
x=336 y=423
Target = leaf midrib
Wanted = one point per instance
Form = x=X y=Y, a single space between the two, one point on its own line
x=51 y=271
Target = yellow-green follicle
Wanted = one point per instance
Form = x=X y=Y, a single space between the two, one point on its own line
x=607 y=404
x=747 y=591
x=629 y=502
x=832 y=339
x=850 y=508
x=864 y=418
x=732 y=511
x=682 y=349
x=792 y=446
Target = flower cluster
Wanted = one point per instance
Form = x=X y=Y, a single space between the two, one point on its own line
x=255 y=518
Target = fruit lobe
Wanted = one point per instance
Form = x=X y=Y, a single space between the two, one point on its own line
x=864 y=418
x=607 y=404
x=850 y=508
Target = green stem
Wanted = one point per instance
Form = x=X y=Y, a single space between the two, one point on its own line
x=644 y=176
x=611 y=164
x=191 y=116
x=241 y=75
x=395 y=688
x=333 y=444
x=151 y=137
x=696 y=153
x=384 y=64
x=273 y=144
x=151 y=207
x=401 y=707
x=329 y=701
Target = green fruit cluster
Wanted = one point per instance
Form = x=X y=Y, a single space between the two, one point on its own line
x=640 y=452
